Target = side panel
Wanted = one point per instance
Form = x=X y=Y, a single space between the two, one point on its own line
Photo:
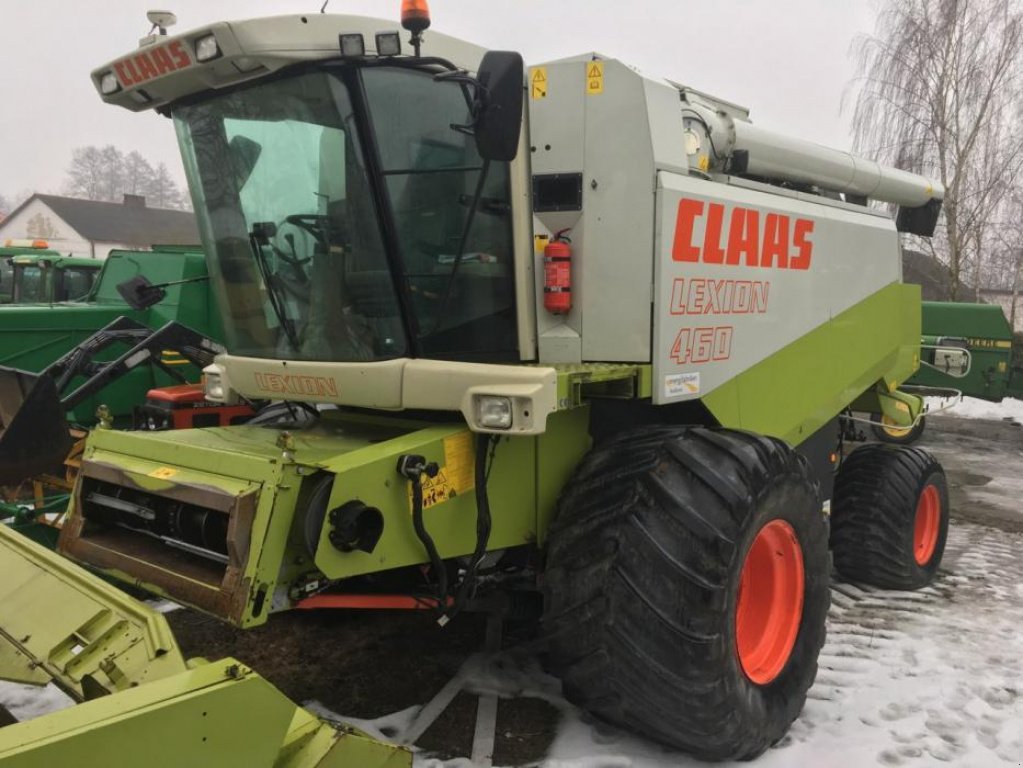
x=797 y=390
x=741 y=274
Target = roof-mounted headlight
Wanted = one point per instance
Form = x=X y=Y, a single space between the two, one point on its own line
x=108 y=84
x=388 y=44
x=206 y=48
x=352 y=45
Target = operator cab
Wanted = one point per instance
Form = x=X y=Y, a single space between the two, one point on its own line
x=349 y=216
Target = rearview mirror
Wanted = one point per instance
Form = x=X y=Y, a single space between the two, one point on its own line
x=500 y=122
x=140 y=293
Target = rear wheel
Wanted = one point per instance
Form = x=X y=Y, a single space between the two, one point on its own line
x=687 y=586
x=887 y=431
x=890 y=516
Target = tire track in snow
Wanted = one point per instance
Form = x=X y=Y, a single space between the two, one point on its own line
x=927 y=677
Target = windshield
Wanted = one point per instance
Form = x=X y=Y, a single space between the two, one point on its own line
x=29 y=284
x=332 y=204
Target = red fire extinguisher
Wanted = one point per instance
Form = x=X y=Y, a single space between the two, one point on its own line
x=557 y=274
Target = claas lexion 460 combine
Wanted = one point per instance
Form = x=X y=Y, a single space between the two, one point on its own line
x=564 y=330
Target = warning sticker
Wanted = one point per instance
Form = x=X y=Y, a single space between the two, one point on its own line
x=594 y=77
x=538 y=82
x=456 y=476
x=163 y=473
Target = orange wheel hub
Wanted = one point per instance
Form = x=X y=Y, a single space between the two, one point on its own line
x=926 y=525
x=769 y=608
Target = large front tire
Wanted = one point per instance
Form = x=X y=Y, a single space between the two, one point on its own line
x=890 y=516
x=686 y=588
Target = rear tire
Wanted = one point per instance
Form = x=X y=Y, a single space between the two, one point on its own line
x=890 y=433
x=645 y=561
x=890 y=516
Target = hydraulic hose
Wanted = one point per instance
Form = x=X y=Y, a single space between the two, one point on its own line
x=429 y=545
x=483 y=522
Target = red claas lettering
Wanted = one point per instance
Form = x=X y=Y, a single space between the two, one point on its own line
x=146 y=65
x=751 y=240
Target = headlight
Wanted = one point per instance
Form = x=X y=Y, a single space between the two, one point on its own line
x=213 y=387
x=388 y=44
x=108 y=84
x=206 y=48
x=352 y=45
x=494 y=412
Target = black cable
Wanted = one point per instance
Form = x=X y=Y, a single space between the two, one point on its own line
x=483 y=523
x=431 y=548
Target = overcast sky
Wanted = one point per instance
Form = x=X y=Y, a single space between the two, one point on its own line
x=787 y=60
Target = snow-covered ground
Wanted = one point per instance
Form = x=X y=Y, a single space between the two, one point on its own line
x=975 y=408
x=925 y=678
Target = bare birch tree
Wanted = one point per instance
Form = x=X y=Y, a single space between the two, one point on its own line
x=940 y=84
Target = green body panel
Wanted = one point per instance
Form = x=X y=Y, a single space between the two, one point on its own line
x=215 y=715
x=99 y=632
x=361 y=452
x=34 y=335
x=799 y=389
x=160 y=711
x=989 y=338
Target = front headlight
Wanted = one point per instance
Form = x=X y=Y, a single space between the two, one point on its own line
x=108 y=84
x=494 y=412
x=206 y=48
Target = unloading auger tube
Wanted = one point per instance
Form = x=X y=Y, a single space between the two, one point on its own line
x=721 y=138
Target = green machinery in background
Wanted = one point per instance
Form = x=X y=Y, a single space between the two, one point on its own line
x=965 y=348
x=570 y=339
x=993 y=373
x=32 y=336
x=33 y=274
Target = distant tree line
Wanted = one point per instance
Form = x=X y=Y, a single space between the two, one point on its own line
x=107 y=173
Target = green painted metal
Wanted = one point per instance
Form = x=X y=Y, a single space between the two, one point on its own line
x=101 y=642
x=216 y=715
x=33 y=336
x=81 y=632
x=985 y=332
x=581 y=381
x=796 y=391
x=360 y=451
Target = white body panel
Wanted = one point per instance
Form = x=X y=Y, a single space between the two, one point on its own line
x=712 y=321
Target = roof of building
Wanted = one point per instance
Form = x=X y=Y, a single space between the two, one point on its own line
x=131 y=222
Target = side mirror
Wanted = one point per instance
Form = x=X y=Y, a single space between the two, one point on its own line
x=501 y=74
x=140 y=293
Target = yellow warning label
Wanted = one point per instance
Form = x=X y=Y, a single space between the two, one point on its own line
x=594 y=77
x=163 y=473
x=456 y=476
x=538 y=82
x=540 y=242
x=704 y=163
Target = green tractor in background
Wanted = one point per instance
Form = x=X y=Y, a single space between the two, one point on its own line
x=31 y=273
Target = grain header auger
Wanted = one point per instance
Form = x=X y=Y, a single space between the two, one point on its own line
x=567 y=330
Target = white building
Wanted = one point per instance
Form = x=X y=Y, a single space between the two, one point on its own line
x=92 y=228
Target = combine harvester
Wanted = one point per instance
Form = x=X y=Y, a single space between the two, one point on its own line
x=595 y=347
